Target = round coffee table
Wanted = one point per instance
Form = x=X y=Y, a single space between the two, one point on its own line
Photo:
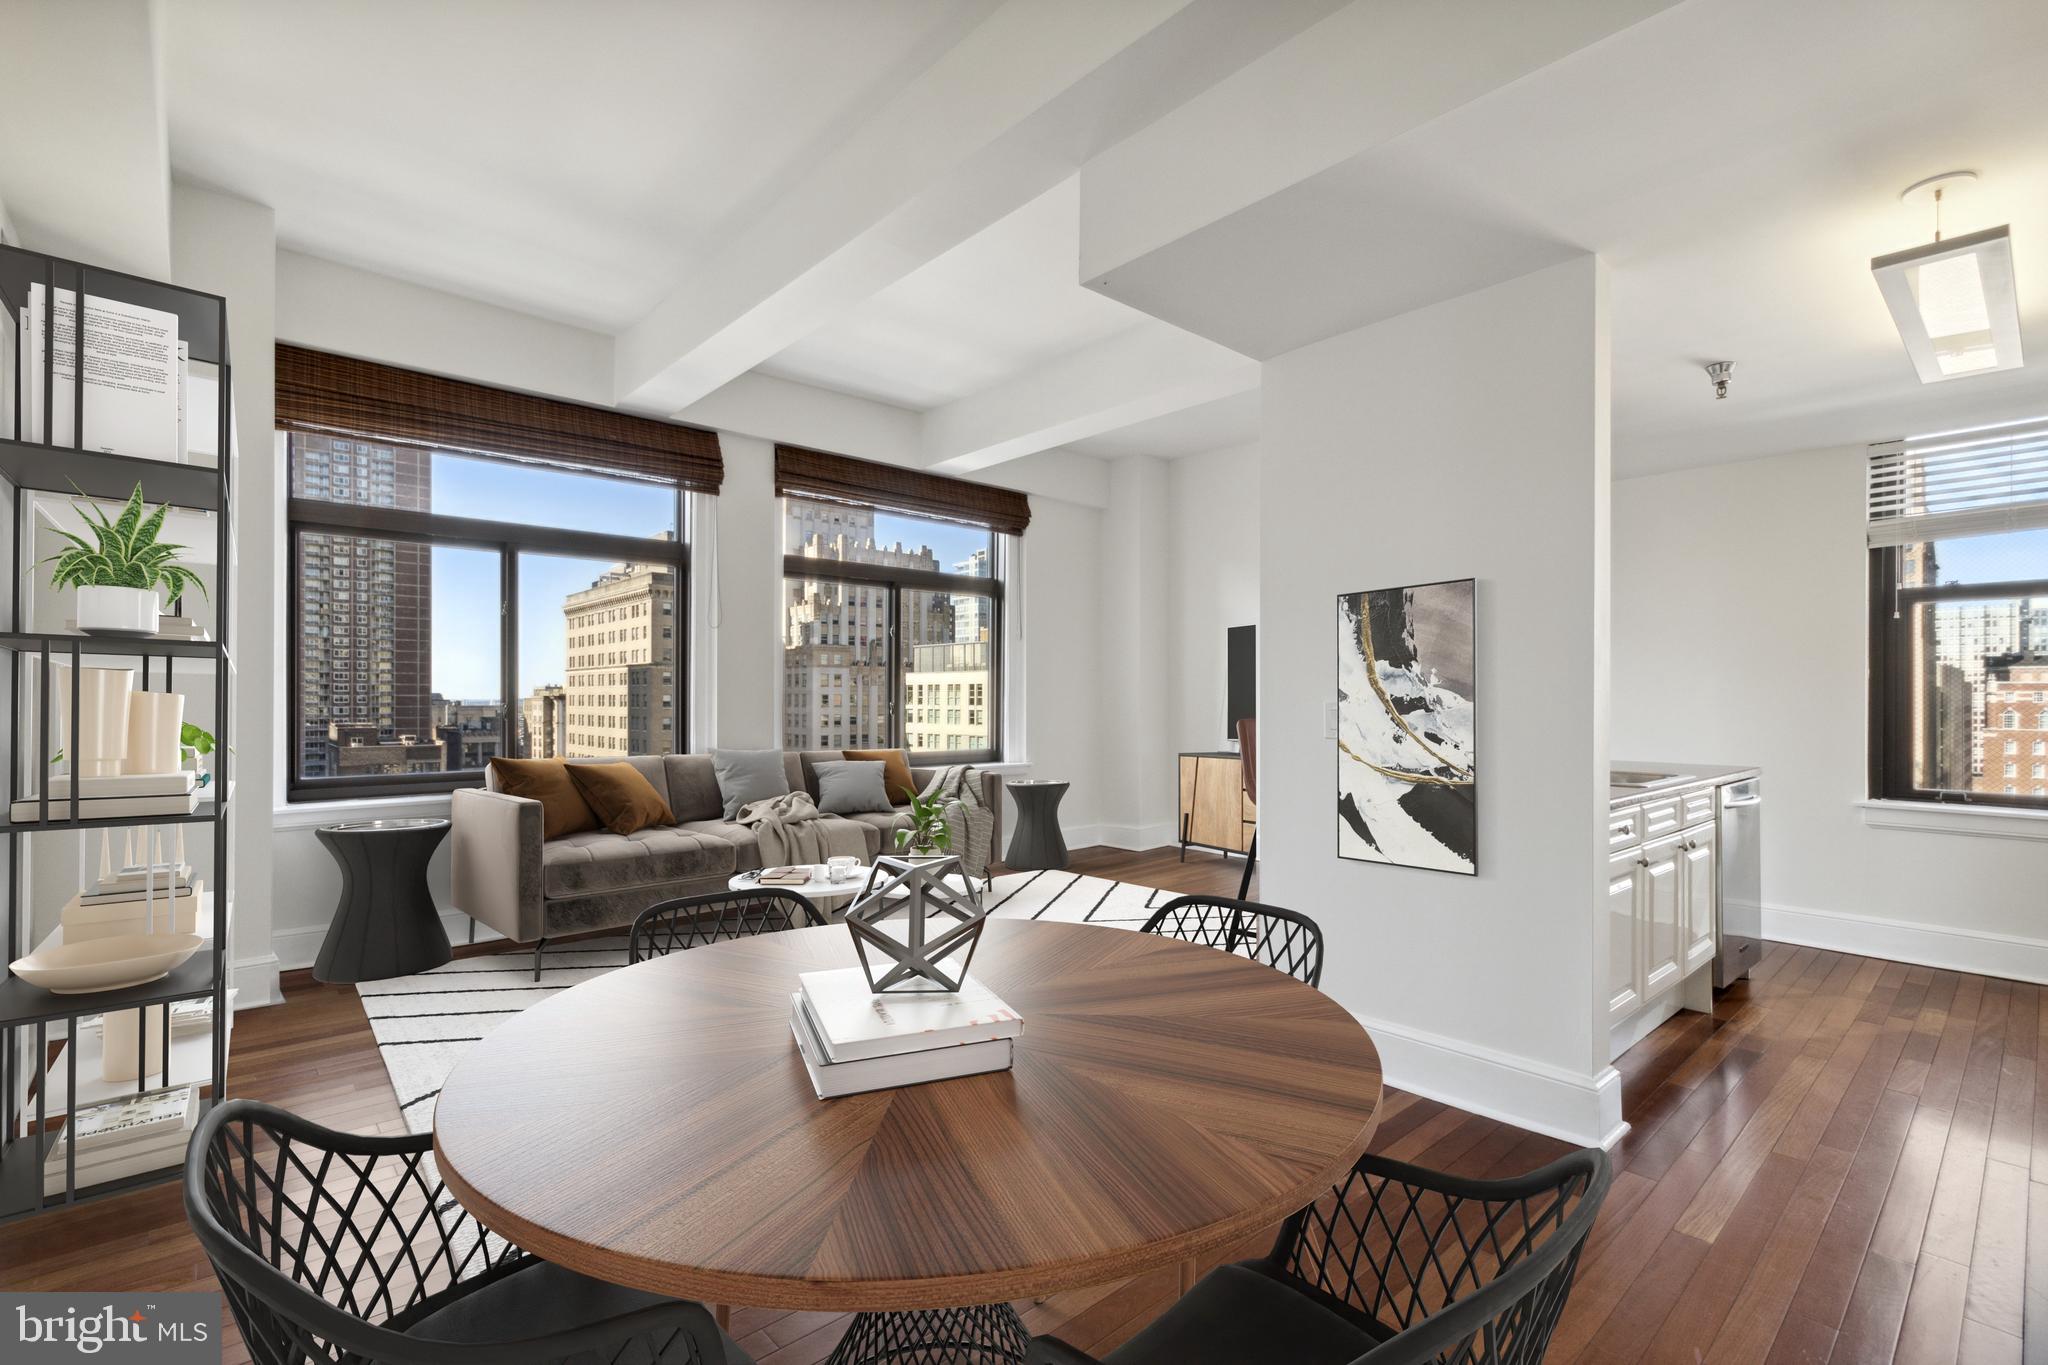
x=386 y=924
x=1038 y=842
x=821 y=891
x=655 y=1128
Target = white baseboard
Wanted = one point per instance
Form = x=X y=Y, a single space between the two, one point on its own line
x=1585 y=1110
x=296 y=949
x=1135 y=838
x=255 y=981
x=1925 y=945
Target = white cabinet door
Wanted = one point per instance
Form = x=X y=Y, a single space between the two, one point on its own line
x=1624 y=944
x=1697 y=894
x=1658 y=915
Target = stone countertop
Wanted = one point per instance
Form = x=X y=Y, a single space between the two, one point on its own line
x=1698 y=775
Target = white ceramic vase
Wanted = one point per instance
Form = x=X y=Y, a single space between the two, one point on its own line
x=119 y=1055
x=155 y=722
x=117 y=611
x=102 y=728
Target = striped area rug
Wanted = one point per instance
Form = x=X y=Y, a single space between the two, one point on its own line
x=424 y=1023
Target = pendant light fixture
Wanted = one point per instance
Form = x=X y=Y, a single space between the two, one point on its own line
x=1953 y=300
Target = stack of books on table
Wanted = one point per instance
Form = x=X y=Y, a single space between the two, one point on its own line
x=124 y=1137
x=798 y=875
x=108 y=798
x=853 y=1040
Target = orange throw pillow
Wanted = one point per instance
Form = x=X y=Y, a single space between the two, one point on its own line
x=623 y=799
x=895 y=771
x=563 y=810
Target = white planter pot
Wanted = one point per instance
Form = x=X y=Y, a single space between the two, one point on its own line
x=156 y=720
x=117 y=611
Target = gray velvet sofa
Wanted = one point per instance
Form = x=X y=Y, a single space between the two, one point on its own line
x=531 y=889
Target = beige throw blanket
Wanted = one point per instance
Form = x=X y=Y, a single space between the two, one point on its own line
x=791 y=831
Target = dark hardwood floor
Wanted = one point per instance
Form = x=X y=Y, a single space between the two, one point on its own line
x=1847 y=1162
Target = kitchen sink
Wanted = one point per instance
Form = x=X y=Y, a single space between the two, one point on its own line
x=1623 y=777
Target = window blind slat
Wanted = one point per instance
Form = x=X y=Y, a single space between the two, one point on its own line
x=333 y=395
x=865 y=483
x=1964 y=483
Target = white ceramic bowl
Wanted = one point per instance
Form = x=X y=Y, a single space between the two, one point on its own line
x=106 y=964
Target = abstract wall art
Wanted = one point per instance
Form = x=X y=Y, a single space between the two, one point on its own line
x=1407 y=790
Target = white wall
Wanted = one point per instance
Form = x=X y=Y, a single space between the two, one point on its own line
x=228 y=246
x=1741 y=636
x=1467 y=439
x=737 y=585
x=1214 y=508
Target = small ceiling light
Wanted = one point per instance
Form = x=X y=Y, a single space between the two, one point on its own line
x=1718 y=372
x=1954 y=301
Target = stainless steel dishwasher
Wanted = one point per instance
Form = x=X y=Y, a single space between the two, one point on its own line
x=1739 y=923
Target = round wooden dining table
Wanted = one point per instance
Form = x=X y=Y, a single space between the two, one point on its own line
x=655 y=1127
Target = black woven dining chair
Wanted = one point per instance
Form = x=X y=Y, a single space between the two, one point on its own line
x=1285 y=940
x=1397 y=1266
x=346 y=1249
x=693 y=921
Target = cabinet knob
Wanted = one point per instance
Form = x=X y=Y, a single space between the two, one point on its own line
x=1642 y=862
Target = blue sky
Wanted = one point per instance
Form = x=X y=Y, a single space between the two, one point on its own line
x=466 y=581
x=1993 y=559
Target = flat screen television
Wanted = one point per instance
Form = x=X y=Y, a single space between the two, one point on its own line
x=1243 y=688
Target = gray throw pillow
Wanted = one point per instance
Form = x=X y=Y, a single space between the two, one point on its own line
x=851 y=787
x=746 y=775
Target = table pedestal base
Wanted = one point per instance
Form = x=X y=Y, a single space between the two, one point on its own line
x=991 y=1334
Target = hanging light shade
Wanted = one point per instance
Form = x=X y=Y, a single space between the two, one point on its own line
x=1955 y=304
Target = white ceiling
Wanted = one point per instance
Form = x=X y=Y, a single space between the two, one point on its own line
x=1002 y=303
x=567 y=159
x=1737 y=164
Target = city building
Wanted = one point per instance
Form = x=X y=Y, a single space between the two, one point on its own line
x=836 y=632
x=946 y=697
x=1966 y=636
x=361 y=750
x=543 y=719
x=2015 y=728
x=468 y=731
x=972 y=618
x=620 y=694
x=365 y=606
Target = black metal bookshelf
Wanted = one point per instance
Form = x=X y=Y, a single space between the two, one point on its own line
x=29 y=1015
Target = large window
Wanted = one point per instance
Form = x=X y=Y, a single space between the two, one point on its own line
x=449 y=607
x=1959 y=617
x=892 y=633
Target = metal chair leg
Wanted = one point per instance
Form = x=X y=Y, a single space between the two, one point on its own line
x=536 y=957
x=1251 y=859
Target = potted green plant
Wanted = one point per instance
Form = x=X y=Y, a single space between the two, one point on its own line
x=118 y=573
x=196 y=744
x=928 y=835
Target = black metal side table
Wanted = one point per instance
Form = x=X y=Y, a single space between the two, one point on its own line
x=1037 y=842
x=386 y=924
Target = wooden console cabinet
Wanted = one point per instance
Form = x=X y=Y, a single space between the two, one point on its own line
x=1214 y=811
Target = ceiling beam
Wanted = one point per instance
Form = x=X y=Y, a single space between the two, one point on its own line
x=1353 y=82
x=1146 y=371
x=1018 y=105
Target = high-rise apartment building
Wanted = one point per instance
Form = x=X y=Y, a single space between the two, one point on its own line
x=620 y=694
x=365 y=611
x=971 y=616
x=835 y=647
x=2015 y=729
x=543 y=721
x=1970 y=635
x=946 y=697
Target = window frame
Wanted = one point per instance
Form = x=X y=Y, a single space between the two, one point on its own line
x=508 y=539
x=1892 y=609
x=896 y=581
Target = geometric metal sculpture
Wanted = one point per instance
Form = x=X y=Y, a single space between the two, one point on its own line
x=916 y=888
